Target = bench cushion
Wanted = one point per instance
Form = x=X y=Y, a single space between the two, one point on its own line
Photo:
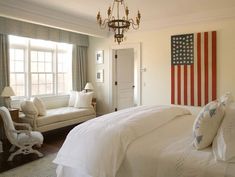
x=63 y=114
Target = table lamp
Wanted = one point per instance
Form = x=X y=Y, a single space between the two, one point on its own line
x=89 y=87
x=7 y=93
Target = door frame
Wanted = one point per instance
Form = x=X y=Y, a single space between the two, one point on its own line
x=137 y=73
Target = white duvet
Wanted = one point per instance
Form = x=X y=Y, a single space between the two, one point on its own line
x=97 y=148
x=168 y=152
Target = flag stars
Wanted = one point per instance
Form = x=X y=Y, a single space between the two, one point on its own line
x=182 y=49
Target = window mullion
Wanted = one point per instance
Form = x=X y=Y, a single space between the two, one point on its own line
x=26 y=71
x=29 y=86
x=55 y=73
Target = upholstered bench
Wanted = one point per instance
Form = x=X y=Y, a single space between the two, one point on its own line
x=59 y=113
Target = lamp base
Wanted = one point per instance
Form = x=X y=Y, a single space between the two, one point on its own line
x=8 y=102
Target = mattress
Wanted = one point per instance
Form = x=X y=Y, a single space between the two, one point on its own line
x=166 y=152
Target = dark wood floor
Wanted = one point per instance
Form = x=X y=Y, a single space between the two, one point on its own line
x=53 y=140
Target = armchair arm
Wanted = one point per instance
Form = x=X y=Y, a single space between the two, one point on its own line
x=30 y=119
x=27 y=132
x=23 y=125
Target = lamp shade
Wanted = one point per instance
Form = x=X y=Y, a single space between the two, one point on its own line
x=89 y=86
x=7 y=92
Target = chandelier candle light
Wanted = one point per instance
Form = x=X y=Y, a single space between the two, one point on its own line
x=118 y=24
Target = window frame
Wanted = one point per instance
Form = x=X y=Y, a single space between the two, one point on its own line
x=24 y=48
x=28 y=48
x=53 y=72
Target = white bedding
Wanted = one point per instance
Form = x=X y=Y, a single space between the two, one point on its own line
x=97 y=148
x=163 y=150
x=168 y=152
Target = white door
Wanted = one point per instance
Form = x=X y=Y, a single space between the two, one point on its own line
x=124 y=71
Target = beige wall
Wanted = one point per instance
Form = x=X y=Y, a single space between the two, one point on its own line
x=101 y=89
x=155 y=46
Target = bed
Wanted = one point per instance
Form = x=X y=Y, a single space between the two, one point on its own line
x=145 y=141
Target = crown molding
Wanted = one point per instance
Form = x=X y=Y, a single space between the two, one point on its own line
x=20 y=10
x=209 y=16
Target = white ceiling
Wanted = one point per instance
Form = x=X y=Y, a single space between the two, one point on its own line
x=80 y=15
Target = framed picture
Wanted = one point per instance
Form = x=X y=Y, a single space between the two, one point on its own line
x=100 y=57
x=100 y=75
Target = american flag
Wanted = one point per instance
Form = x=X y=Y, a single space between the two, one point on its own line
x=193 y=68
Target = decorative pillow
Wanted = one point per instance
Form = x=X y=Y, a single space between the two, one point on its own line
x=72 y=98
x=226 y=99
x=207 y=123
x=28 y=108
x=83 y=100
x=40 y=106
x=224 y=142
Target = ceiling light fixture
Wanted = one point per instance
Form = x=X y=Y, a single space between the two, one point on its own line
x=118 y=24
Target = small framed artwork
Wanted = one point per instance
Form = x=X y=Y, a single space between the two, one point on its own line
x=100 y=75
x=100 y=57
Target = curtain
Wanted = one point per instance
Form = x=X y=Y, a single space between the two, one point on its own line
x=25 y=29
x=4 y=71
x=4 y=64
x=79 y=67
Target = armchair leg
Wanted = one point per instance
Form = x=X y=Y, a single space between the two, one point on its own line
x=12 y=148
x=19 y=151
x=24 y=150
x=38 y=145
x=37 y=152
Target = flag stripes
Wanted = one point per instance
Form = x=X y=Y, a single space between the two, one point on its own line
x=195 y=84
x=214 y=65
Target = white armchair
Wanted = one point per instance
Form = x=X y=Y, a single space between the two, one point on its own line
x=23 y=139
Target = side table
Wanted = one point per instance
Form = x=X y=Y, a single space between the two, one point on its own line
x=14 y=114
x=93 y=103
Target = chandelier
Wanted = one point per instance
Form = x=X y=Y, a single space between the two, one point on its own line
x=119 y=24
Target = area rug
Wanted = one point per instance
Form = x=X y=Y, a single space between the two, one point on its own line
x=42 y=167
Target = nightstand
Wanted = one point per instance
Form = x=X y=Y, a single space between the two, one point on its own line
x=14 y=114
x=93 y=103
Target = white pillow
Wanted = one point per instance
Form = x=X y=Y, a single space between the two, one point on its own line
x=207 y=123
x=28 y=108
x=72 y=98
x=40 y=106
x=83 y=100
x=224 y=143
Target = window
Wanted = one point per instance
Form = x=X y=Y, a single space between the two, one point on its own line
x=39 y=67
x=17 y=70
x=41 y=72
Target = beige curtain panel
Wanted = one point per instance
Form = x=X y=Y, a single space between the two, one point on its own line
x=4 y=64
x=79 y=64
x=25 y=29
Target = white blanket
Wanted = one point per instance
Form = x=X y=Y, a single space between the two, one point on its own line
x=168 y=152
x=97 y=147
x=181 y=159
